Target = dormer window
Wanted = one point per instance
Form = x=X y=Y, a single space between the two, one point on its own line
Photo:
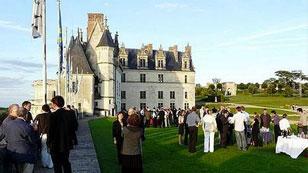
x=160 y=64
x=142 y=62
x=122 y=61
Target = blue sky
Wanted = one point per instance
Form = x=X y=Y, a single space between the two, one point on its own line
x=234 y=40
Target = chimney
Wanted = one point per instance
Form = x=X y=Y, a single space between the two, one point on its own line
x=188 y=49
x=149 y=47
x=92 y=19
x=81 y=35
x=174 y=49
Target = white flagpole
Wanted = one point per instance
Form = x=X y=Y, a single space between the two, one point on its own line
x=44 y=53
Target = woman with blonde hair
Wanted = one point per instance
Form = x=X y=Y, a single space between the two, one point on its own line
x=132 y=150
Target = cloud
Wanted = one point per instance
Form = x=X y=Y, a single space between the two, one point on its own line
x=11 y=82
x=18 y=65
x=260 y=35
x=170 y=6
x=14 y=26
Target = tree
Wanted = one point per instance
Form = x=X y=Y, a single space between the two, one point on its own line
x=257 y=85
x=241 y=86
x=271 y=89
x=288 y=91
x=264 y=85
x=212 y=86
x=252 y=89
x=219 y=86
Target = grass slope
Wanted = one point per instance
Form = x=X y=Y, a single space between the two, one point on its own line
x=269 y=101
x=162 y=154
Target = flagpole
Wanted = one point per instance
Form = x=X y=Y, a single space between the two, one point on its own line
x=44 y=53
x=60 y=44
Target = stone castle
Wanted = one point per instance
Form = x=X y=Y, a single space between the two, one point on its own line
x=106 y=77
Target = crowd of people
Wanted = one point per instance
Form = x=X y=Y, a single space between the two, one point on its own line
x=44 y=140
x=239 y=127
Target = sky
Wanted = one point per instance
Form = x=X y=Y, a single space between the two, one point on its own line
x=233 y=40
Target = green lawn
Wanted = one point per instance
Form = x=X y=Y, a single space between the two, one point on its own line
x=162 y=154
x=269 y=101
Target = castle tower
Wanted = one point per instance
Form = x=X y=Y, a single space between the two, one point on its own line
x=107 y=70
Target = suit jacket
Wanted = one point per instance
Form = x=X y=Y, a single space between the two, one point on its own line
x=21 y=141
x=29 y=117
x=60 y=133
x=43 y=122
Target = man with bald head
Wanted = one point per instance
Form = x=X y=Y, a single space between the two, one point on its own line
x=12 y=115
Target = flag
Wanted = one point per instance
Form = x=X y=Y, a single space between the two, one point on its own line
x=37 y=18
x=60 y=40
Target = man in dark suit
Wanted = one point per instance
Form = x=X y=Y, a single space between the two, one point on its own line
x=74 y=124
x=60 y=136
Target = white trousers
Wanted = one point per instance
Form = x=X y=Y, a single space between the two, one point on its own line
x=209 y=141
x=45 y=156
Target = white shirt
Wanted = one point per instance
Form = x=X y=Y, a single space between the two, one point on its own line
x=209 y=123
x=238 y=120
x=284 y=124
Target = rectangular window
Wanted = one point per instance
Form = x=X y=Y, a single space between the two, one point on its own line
x=160 y=105
x=185 y=64
x=172 y=105
x=160 y=64
x=123 y=94
x=143 y=95
x=143 y=105
x=185 y=78
x=141 y=62
x=172 y=94
x=123 y=106
x=142 y=78
x=160 y=94
x=186 y=96
x=123 y=77
x=122 y=61
x=186 y=106
x=160 y=78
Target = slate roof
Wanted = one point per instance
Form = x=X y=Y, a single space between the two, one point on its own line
x=78 y=57
x=106 y=39
x=172 y=63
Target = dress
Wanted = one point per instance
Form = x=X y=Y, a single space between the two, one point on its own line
x=256 y=132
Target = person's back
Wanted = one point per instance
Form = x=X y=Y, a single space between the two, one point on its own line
x=131 y=143
x=209 y=123
x=60 y=136
x=60 y=131
x=43 y=122
x=21 y=141
x=192 y=119
x=239 y=120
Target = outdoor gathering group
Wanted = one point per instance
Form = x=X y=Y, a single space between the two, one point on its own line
x=128 y=129
x=46 y=140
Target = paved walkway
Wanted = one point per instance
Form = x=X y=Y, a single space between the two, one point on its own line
x=83 y=157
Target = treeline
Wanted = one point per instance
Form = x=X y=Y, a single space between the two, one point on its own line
x=285 y=83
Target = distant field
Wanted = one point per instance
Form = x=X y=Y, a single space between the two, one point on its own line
x=269 y=101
